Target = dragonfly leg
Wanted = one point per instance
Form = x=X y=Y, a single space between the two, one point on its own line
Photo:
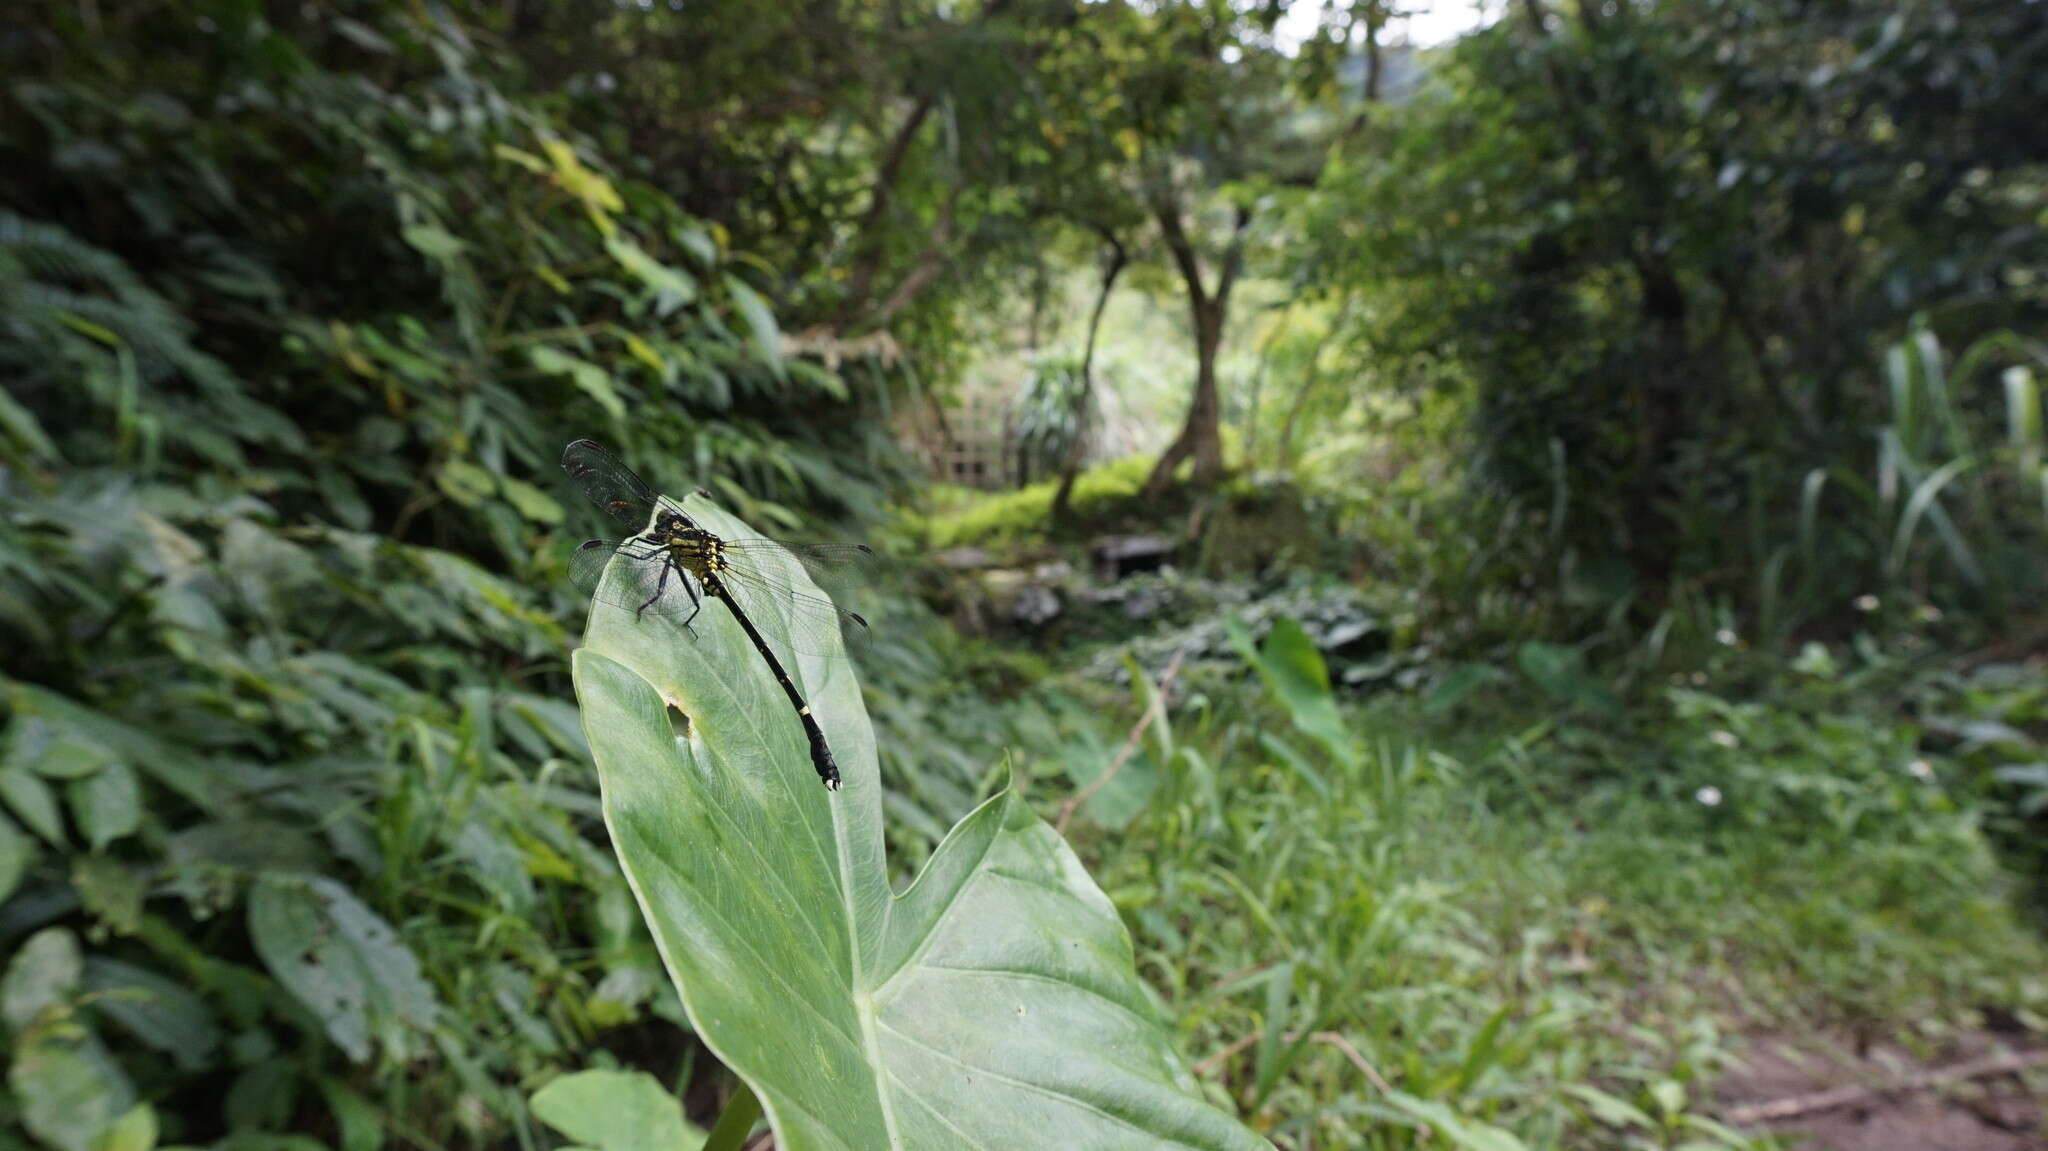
x=660 y=586
x=696 y=603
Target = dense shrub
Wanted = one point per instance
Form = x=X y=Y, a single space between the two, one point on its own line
x=1659 y=255
x=296 y=312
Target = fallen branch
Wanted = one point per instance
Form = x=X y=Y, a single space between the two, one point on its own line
x=1838 y=1097
x=1130 y=748
x=1330 y=1038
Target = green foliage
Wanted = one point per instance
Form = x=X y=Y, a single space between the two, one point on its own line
x=1549 y=937
x=1653 y=252
x=893 y=164
x=1576 y=368
x=1990 y=721
x=1561 y=673
x=1054 y=412
x=299 y=309
x=860 y=1018
x=1295 y=674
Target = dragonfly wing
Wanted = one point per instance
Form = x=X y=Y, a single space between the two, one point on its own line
x=830 y=565
x=587 y=561
x=812 y=620
x=610 y=484
x=645 y=577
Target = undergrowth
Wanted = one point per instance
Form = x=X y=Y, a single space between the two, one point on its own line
x=1561 y=934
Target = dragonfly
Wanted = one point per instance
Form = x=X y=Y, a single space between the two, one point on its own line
x=674 y=564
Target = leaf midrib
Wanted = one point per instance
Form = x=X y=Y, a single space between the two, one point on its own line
x=863 y=1002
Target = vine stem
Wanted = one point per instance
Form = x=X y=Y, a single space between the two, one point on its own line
x=1155 y=710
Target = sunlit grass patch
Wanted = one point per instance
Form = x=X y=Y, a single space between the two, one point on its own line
x=1010 y=517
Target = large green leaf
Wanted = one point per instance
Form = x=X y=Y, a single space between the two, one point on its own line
x=158 y=1012
x=342 y=960
x=616 y=1111
x=993 y=1003
x=41 y=975
x=1561 y=671
x=71 y=1091
x=1296 y=675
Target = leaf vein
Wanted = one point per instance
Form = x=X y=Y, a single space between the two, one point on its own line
x=1020 y=1084
x=1042 y=977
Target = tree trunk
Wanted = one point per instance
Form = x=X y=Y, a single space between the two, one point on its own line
x=1201 y=437
x=1205 y=418
x=1113 y=267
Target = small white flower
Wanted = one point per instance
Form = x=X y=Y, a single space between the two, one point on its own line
x=1726 y=637
x=1709 y=796
x=1723 y=739
x=1921 y=770
x=1699 y=679
x=1928 y=613
x=1866 y=603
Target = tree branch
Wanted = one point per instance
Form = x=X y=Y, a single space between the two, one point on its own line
x=929 y=264
x=1829 y=1100
x=1183 y=249
x=1114 y=261
x=861 y=281
x=1331 y=1038
x=1233 y=256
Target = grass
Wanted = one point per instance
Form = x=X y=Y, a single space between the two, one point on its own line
x=962 y=519
x=1518 y=920
x=1399 y=947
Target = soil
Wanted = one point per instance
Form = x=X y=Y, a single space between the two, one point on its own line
x=1994 y=1113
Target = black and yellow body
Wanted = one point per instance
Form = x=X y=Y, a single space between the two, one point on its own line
x=692 y=550
x=667 y=544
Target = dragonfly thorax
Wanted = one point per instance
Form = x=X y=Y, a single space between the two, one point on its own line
x=695 y=550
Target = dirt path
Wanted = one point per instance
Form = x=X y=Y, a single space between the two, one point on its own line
x=1968 y=1099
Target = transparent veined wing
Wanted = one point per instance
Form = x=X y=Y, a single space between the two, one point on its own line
x=610 y=484
x=760 y=571
x=812 y=617
x=831 y=565
x=647 y=583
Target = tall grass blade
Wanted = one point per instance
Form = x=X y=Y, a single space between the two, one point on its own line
x=1810 y=492
x=1923 y=503
x=1890 y=454
x=2023 y=414
x=1769 y=584
x=1904 y=385
x=1934 y=393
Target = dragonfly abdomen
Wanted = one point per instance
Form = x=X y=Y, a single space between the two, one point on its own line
x=821 y=752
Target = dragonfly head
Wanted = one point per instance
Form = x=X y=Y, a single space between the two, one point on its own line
x=671 y=527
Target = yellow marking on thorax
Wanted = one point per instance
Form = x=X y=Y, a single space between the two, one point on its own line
x=693 y=556
x=698 y=554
